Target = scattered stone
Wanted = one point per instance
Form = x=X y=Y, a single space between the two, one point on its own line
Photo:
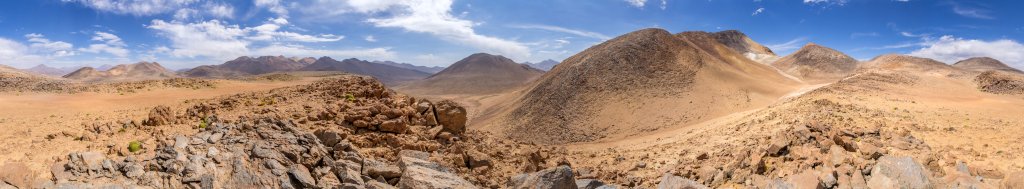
x=560 y=177
x=898 y=172
x=669 y=181
x=301 y=174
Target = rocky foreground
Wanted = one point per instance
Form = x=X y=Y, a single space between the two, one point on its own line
x=352 y=132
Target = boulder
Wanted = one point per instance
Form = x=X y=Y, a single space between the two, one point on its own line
x=669 y=181
x=397 y=125
x=451 y=116
x=300 y=174
x=425 y=177
x=805 y=180
x=419 y=173
x=590 y=184
x=160 y=115
x=560 y=177
x=476 y=159
x=898 y=172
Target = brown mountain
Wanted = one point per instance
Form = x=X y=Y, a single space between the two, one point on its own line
x=245 y=65
x=639 y=82
x=982 y=64
x=123 y=72
x=385 y=73
x=479 y=73
x=815 y=63
x=51 y=71
x=897 y=62
x=747 y=47
x=427 y=69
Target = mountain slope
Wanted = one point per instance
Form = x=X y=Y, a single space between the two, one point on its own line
x=742 y=44
x=51 y=71
x=479 y=73
x=245 y=65
x=123 y=72
x=896 y=62
x=385 y=73
x=643 y=81
x=982 y=64
x=816 y=63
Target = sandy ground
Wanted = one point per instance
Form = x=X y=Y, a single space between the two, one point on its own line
x=27 y=119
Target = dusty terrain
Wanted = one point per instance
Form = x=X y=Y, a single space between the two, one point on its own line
x=647 y=109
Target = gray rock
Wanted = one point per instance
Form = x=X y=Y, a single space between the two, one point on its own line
x=215 y=137
x=560 y=177
x=591 y=184
x=420 y=173
x=669 y=181
x=301 y=174
x=898 y=172
x=378 y=185
x=180 y=142
x=275 y=167
x=376 y=168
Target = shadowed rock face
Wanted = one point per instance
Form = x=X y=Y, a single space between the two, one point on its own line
x=815 y=62
x=982 y=64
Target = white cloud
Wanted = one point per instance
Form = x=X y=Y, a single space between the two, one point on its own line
x=111 y=44
x=270 y=31
x=370 y=38
x=134 y=7
x=185 y=14
x=203 y=39
x=434 y=17
x=637 y=3
x=864 y=34
x=950 y=49
x=13 y=53
x=757 y=11
x=302 y=51
x=220 y=10
x=40 y=44
x=789 y=45
x=273 y=6
x=582 y=33
x=972 y=12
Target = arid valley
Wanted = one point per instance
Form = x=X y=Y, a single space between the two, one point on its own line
x=650 y=108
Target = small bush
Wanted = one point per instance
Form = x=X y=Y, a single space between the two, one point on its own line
x=202 y=123
x=134 y=146
x=350 y=97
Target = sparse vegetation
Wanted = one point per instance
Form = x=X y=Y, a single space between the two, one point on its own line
x=134 y=146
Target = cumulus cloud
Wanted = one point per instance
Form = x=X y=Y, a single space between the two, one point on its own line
x=637 y=3
x=134 y=7
x=40 y=44
x=434 y=17
x=203 y=39
x=221 y=40
x=951 y=49
x=581 y=33
x=13 y=53
x=110 y=44
x=218 y=10
x=273 y=6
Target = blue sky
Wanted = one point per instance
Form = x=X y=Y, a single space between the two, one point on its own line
x=188 y=33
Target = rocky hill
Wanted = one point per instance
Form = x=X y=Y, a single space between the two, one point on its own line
x=739 y=42
x=639 y=82
x=245 y=65
x=479 y=73
x=815 y=63
x=123 y=72
x=384 y=73
x=896 y=62
x=982 y=64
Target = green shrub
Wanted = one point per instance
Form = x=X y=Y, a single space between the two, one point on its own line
x=134 y=146
x=350 y=97
x=202 y=123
